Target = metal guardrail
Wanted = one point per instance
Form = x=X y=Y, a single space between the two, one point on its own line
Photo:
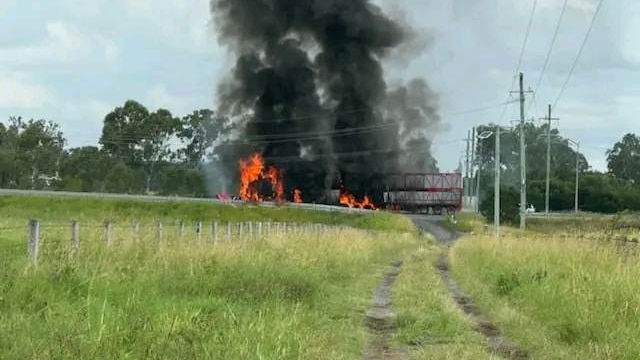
x=565 y=215
x=150 y=198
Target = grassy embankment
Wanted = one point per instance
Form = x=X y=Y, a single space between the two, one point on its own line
x=566 y=289
x=286 y=296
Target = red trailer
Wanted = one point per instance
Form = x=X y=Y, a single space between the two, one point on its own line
x=424 y=193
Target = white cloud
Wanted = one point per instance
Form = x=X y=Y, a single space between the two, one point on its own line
x=629 y=34
x=6 y=4
x=88 y=115
x=190 y=26
x=586 y=6
x=16 y=92
x=160 y=97
x=64 y=44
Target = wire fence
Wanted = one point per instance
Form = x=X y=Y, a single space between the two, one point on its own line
x=37 y=240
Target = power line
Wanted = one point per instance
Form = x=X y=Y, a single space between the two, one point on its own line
x=131 y=137
x=526 y=40
x=553 y=42
x=294 y=136
x=373 y=151
x=311 y=136
x=479 y=109
x=521 y=58
x=575 y=62
x=312 y=117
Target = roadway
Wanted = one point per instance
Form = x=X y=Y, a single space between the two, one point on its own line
x=151 y=198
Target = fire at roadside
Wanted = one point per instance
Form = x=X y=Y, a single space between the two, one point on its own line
x=352 y=202
x=253 y=177
x=259 y=182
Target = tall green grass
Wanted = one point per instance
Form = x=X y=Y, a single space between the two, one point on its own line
x=559 y=296
x=430 y=325
x=283 y=297
x=15 y=210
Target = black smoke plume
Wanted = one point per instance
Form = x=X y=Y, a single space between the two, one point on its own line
x=308 y=91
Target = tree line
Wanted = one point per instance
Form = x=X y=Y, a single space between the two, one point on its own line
x=613 y=191
x=154 y=152
x=139 y=152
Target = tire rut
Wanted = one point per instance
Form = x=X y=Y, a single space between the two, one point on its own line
x=381 y=320
x=496 y=341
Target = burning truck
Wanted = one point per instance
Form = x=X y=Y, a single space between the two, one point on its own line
x=433 y=193
x=312 y=116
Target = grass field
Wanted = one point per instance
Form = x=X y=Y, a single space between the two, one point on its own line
x=286 y=296
x=564 y=290
x=17 y=210
x=430 y=325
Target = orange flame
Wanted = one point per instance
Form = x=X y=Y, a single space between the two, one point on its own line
x=274 y=176
x=297 y=196
x=252 y=172
x=367 y=204
x=350 y=200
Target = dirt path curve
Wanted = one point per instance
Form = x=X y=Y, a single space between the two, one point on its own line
x=380 y=320
x=496 y=341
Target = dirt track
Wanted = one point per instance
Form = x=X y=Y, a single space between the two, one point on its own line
x=496 y=341
x=380 y=320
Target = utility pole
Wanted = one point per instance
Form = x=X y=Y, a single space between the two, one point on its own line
x=496 y=191
x=479 y=174
x=473 y=165
x=466 y=173
x=548 y=183
x=478 y=177
x=523 y=169
x=481 y=137
x=523 y=161
x=577 y=175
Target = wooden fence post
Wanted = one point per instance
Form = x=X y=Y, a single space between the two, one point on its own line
x=250 y=225
x=181 y=231
x=107 y=232
x=260 y=231
x=34 y=240
x=240 y=230
x=75 y=236
x=214 y=233
x=136 y=231
x=159 y=231
x=198 y=231
x=228 y=232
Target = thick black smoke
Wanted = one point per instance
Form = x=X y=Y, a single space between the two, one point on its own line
x=309 y=90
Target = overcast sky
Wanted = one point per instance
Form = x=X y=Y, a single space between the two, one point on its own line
x=71 y=61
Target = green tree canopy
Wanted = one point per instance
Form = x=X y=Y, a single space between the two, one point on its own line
x=30 y=153
x=85 y=169
x=199 y=131
x=624 y=159
x=139 y=138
